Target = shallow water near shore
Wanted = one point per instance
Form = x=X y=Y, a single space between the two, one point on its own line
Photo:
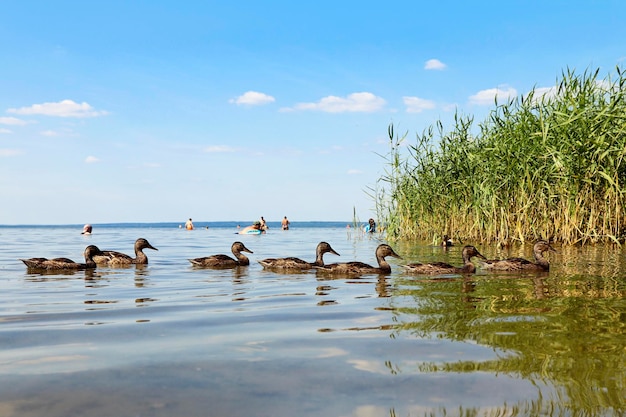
x=168 y=339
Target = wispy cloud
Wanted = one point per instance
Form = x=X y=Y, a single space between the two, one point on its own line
x=544 y=92
x=252 y=98
x=12 y=121
x=64 y=132
x=355 y=102
x=50 y=133
x=487 y=97
x=5 y=131
x=219 y=148
x=9 y=152
x=64 y=108
x=91 y=160
x=435 y=64
x=354 y=172
x=417 y=105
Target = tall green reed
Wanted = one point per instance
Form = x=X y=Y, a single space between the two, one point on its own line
x=544 y=165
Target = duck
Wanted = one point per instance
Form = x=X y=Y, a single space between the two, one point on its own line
x=296 y=263
x=113 y=258
x=225 y=261
x=521 y=264
x=446 y=242
x=359 y=268
x=435 y=268
x=64 y=263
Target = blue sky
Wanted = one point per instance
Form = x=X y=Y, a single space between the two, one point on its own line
x=142 y=111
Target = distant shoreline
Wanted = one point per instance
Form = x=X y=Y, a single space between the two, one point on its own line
x=197 y=224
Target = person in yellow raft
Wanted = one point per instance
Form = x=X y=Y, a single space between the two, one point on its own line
x=189 y=224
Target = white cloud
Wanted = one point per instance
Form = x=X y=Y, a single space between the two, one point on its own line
x=355 y=102
x=9 y=152
x=486 y=97
x=354 y=172
x=49 y=133
x=64 y=108
x=252 y=98
x=91 y=160
x=551 y=92
x=434 y=64
x=417 y=105
x=544 y=92
x=13 y=121
x=219 y=148
x=5 y=131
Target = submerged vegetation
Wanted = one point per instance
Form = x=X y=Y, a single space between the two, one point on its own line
x=546 y=165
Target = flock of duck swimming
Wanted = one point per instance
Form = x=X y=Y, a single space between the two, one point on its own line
x=95 y=257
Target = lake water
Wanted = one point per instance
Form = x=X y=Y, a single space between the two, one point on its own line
x=171 y=340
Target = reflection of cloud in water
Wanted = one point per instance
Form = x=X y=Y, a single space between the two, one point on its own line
x=253 y=346
x=369 y=411
x=50 y=359
x=370 y=320
x=375 y=367
x=26 y=362
x=331 y=353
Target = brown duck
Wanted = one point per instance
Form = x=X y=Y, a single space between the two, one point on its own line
x=356 y=268
x=225 y=261
x=113 y=258
x=436 y=268
x=521 y=264
x=63 y=263
x=297 y=263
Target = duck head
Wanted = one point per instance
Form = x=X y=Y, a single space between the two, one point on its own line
x=239 y=247
x=543 y=246
x=324 y=247
x=142 y=243
x=470 y=251
x=384 y=250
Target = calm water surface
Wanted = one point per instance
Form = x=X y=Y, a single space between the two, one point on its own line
x=171 y=340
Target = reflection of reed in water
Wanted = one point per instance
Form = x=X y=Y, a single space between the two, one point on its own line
x=555 y=330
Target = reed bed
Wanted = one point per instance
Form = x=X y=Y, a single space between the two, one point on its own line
x=544 y=165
